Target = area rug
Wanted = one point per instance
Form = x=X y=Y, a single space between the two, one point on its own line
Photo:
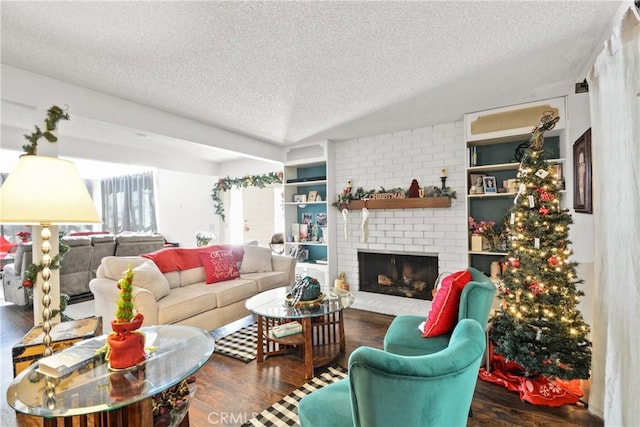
x=284 y=413
x=241 y=344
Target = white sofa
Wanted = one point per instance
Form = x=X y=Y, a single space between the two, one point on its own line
x=182 y=296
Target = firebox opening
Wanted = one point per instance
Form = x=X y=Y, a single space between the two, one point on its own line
x=400 y=274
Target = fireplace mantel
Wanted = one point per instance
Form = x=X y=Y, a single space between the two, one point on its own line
x=408 y=203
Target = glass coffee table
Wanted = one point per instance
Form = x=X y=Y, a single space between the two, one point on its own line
x=120 y=397
x=322 y=338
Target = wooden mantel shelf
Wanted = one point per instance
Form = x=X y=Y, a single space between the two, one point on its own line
x=417 y=203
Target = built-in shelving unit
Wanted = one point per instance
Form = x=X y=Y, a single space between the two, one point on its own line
x=306 y=172
x=492 y=138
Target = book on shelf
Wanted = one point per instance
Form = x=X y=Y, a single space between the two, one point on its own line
x=310 y=178
x=295 y=231
x=473 y=156
x=304 y=231
x=286 y=329
x=68 y=360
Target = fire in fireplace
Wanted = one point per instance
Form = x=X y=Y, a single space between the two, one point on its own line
x=403 y=274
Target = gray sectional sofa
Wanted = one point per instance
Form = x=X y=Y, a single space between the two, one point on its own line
x=79 y=264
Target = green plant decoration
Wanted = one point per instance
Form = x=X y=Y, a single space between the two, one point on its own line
x=54 y=115
x=227 y=183
x=31 y=273
x=124 y=313
x=64 y=301
x=346 y=196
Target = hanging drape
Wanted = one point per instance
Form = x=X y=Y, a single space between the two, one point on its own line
x=614 y=92
x=128 y=203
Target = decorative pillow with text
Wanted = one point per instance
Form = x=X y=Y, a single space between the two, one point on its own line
x=219 y=266
x=443 y=316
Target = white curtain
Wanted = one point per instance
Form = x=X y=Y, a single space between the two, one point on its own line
x=614 y=88
x=128 y=203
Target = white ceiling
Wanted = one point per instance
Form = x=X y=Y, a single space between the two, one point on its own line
x=285 y=72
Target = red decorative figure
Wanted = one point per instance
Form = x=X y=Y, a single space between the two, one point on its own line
x=414 y=189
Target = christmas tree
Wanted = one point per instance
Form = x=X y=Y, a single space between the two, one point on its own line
x=539 y=326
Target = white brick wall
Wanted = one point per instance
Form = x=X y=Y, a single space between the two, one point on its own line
x=394 y=160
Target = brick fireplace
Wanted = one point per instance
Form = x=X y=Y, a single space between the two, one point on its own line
x=398 y=273
x=393 y=160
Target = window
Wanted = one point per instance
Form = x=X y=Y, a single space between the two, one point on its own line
x=128 y=203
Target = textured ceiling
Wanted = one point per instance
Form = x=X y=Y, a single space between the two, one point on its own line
x=285 y=72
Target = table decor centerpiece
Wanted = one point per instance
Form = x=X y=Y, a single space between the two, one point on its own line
x=125 y=344
x=306 y=291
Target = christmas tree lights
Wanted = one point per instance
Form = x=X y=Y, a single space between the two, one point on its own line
x=539 y=326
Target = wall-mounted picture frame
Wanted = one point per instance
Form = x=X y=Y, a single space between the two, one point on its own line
x=299 y=198
x=475 y=183
x=582 y=195
x=313 y=194
x=489 y=184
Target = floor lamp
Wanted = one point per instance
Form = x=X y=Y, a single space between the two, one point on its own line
x=46 y=191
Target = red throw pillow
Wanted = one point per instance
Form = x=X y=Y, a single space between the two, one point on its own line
x=444 y=308
x=219 y=266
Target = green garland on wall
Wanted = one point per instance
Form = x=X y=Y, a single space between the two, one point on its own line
x=54 y=115
x=227 y=183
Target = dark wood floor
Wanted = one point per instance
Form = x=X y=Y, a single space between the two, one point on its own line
x=230 y=392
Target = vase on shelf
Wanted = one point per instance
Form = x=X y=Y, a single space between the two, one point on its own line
x=325 y=234
x=479 y=243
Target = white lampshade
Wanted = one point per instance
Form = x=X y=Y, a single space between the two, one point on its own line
x=45 y=190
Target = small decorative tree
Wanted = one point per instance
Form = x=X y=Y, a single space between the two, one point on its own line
x=126 y=344
x=124 y=314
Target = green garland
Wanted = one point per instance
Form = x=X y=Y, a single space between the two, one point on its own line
x=31 y=273
x=227 y=183
x=431 y=191
x=54 y=115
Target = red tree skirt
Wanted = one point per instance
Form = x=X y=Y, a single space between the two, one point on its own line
x=538 y=390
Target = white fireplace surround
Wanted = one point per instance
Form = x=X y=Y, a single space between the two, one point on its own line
x=372 y=163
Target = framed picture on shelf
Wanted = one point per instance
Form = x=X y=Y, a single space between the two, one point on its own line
x=299 y=198
x=303 y=255
x=312 y=196
x=321 y=219
x=582 y=198
x=475 y=183
x=557 y=171
x=489 y=184
x=307 y=218
x=304 y=232
x=293 y=251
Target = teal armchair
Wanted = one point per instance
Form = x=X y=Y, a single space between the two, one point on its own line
x=403 y=336
x=385 y=389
